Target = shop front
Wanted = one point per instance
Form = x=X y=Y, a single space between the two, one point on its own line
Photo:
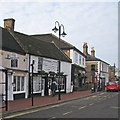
x=59 y=81
x=78 y=77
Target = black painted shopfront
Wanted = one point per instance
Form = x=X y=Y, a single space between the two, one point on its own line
x=78 y=77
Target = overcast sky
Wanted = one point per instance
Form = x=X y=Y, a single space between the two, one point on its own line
x=93 y=22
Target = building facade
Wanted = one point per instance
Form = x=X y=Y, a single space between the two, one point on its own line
x=96 y=69
x=78 y=59
x=18 y=52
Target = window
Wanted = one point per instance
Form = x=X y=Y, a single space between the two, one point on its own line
x=79 y=59
x=61 y=82
x=14 y=81
x=18 y=83
x=40 y=63
x=36 y=84
x=83 y=61
x=22 y=83
x=14 y=61
x=76 y=58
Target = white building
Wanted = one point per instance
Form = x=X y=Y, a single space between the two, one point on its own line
x=17 y=53
x=77 y=57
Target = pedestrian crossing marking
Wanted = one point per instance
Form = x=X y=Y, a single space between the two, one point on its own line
x=67 y=113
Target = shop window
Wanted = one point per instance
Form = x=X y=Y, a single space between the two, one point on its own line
x=22 y=84
x=62 y=83
x=18 y=83
x=36 y=84
x=14 y=84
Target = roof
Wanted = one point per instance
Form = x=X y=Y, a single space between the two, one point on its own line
x=92 y=58
x=41 y=48
x=8 y=42
x=63 y=44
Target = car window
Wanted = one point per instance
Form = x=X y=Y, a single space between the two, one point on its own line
x=112 y=83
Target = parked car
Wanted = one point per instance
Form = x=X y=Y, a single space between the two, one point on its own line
x=118 y=84
x=113 y=86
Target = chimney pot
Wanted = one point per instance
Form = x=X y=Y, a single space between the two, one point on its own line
x=92 y=52
x=9 y=24
x=85 y=49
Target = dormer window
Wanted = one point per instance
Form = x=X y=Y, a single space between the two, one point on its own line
x=14 y=60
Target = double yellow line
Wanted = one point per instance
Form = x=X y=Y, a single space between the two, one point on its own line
x=12 y=116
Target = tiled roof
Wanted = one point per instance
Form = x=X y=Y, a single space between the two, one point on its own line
x=40 y=48
x=92 y=58
x=63 y=44
x=8 y=43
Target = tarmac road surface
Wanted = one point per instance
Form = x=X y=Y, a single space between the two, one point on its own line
x=102 y=105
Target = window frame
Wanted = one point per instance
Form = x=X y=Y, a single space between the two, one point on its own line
x=16 y=84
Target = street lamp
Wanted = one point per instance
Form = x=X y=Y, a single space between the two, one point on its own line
x=63 y=34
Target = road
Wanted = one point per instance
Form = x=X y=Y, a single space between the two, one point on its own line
x=101 y=105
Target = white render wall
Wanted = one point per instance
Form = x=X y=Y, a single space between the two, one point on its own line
x=72 y=55
x=50 y=65
x=75 y=59
x=22 y=65
x=66 y=68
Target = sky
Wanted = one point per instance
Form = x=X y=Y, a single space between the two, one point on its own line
x=93 y=22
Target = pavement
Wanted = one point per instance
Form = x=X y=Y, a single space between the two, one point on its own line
x=24 y=104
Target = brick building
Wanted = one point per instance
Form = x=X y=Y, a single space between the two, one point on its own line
x=96 y=69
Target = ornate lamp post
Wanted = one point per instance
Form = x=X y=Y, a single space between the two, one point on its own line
x=63 y=34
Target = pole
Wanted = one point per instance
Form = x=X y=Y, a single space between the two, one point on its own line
x=32 y=84
x=114 y=71
x=6 y=86
x=59 y=95
x=29 y=79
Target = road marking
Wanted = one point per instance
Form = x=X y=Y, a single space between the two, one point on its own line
x=51 y=118
x=115 y=107
x=91 y=104
x=33 y=111
x=82 y=107
x=67 y=113
x=94 y=96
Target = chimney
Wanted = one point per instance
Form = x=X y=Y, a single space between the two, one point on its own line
x=9 y=24
x=85 y=49
x=92 y=52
